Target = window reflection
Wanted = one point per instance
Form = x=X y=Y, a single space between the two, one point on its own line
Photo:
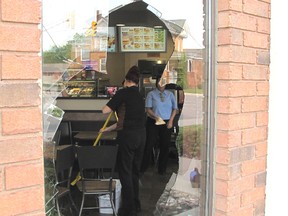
x=81 y=52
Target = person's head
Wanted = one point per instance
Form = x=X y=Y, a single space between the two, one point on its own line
x=160 y=83
x=133 y=75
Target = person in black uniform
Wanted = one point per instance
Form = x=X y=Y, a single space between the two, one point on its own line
x=131 y=136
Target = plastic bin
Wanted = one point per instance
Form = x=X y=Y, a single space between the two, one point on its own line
x=104 y=200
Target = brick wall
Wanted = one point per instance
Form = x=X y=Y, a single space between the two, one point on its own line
x=243 y=87
x=21 y=152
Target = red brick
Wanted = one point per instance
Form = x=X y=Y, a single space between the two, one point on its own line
x=260 y=179
x=254 y=135
x=22 y=201
x=221 y=187
x=24 y=175
x=38 y=214
x=21 y=11
x=242 y=154
x=260 y=208
x=256 y=40
x=241 y=185
x=21 y=67
x=1 y=179
x=229 y=139
x=256 y=7
x=252 y=196
x=227 y=204
x=224 y=5
x=229 y=105
x=236 y=122
x=21 y=149
x=230 y=71
x=263 y=25
x=254 y=104
x=235 y=187
x=261 y=149
x=247 y=211
x=262 y=118
x=21 y=121
x=263 y=58
x=228 y=172
x=219 y=213
x=253 y=166
x=0 y=67
x=255 y=72
x=236 y=89
x=223 y=156
x=222 y=171
x=262 y=88
x=230 y=36
x=237 y=54
x=20 y=38
x=237 y=20
x=19 y=94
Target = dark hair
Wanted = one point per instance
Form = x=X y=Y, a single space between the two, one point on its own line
x=157 y=81
x=133 y=74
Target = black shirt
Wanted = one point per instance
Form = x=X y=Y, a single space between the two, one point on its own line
x=130 y=108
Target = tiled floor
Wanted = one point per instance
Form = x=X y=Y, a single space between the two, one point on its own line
x=152 y=186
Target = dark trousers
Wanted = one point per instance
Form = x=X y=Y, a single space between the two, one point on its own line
x=156 y=134
x=131 y=147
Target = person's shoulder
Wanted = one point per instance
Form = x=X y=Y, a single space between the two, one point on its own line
x=170 y=86
x=168 y=92
x=173 y=86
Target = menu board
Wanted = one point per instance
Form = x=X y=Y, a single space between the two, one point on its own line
x=142 y=39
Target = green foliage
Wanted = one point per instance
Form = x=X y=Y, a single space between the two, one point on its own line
x=56 y=54
x=182 y=71
x=189 y=141
x=194 y=90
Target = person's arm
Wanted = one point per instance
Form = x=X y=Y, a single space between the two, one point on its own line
x=151 y=114
x=110 y=128
x=173 y=113
x=171 y=120
x=106 y=109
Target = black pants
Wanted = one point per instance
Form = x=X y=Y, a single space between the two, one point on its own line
x=162 y=135
x=131 y=147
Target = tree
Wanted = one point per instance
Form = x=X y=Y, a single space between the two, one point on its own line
x=182 y=72
x=59 y=53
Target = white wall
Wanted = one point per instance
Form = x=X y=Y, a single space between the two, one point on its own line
x=277 y=163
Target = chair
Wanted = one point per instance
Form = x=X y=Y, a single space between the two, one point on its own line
x=101 y=160
x=65 y=157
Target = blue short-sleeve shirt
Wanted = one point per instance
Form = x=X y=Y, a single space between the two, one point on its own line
x=162 y=104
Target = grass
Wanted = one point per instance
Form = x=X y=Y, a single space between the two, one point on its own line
x=194 y=90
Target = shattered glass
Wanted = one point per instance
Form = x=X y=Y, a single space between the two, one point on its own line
x=73 y=29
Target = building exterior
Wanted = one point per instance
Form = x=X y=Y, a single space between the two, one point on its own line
x=249 y=149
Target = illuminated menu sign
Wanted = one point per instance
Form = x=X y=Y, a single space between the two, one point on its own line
x=142 y=39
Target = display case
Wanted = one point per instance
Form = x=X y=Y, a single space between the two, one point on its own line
x=85 y=84
x=80 y=89
x=85 y=88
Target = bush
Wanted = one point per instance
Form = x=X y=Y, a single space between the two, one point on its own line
x=189 y=141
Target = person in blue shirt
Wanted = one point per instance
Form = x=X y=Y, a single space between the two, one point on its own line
x=161 y=108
